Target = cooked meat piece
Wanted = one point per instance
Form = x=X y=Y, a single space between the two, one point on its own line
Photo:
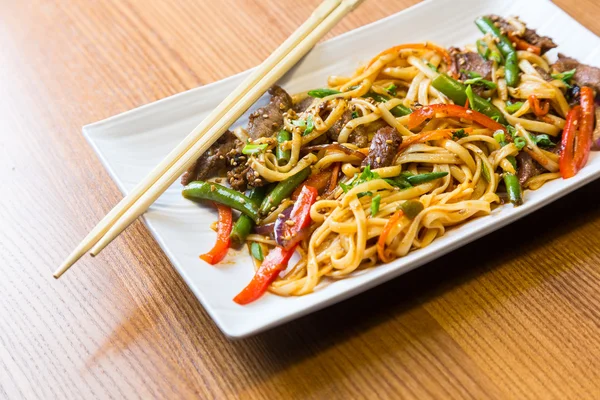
x=472 y=62
x=357 y=137
x=585 y=75
x=240 y=175
x=303 y=104
x=545 y=75
x=384 y=148
x=212 y=160
x=528 y=167
x=530 y=35
x=267 y=120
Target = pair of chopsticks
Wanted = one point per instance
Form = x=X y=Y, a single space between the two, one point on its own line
x=325 y=17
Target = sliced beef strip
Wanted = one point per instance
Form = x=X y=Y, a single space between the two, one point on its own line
x=213 y=160
x=530 y=35
x=528 y=167
x=358 y=136
x=470 y=61
x=585 y=75
x=267 y=120
x=384 y=148
x=545 y=75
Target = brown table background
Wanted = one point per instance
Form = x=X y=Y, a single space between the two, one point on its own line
x=513 y=315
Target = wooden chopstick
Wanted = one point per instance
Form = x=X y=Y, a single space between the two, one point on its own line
x=304 y=38
x=223 y=124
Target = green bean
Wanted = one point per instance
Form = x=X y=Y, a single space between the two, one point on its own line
x=457 y=92
x=243 y=226
x=200 y=190
x=283 y=190
x=513 y=188
x=422 y=178
x=283 y=156
x=511 y=67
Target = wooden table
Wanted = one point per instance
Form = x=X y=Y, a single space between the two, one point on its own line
x=513 y=315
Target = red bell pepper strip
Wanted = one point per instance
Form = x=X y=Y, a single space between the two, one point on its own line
x=275 y=262
x=521 y=44
x=300 y=215
x=418 y=116
x=586 y=127
x=219 y=251
x=567 y=165
x=277 y=259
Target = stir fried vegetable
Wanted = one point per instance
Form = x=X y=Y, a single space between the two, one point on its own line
x=199 y=190
x=511 y=67
x=219 y=251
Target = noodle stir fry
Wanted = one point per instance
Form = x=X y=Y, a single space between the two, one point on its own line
x=383 y=162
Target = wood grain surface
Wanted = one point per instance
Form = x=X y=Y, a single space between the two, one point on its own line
x=513 y=315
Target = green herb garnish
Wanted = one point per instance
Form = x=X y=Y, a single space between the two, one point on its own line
x=565 y=76
x=513 y=107
x=254 y=148
x=375 y=204
x=459 y=134
x=320 y=93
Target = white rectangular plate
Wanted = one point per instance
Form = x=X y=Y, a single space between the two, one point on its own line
x=132 y=143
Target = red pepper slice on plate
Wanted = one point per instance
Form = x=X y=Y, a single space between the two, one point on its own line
x=417 y=117
x=219 y=251
x=277 y=259
x=567 y=165
x=275 y=262
x=586 y=127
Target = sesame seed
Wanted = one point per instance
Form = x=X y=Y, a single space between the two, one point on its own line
x=265 y=115
x=272 y=208
x=378 y=159
x=289 y=222
x=243 y=201
x=212 y=188
x=221 y=157
x=280 y=215
x=389 y=141
x=469 y=111
x=218 y=180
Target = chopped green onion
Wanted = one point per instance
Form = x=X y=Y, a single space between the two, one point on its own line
x=298 y=122
x=433 y=67
x=500 y=137
x=513 y=107
x=471 y=74
x=565 y=76
x=254 y=148
x=520 y=142
x=480 y=80
x=470 y=96
x=320 y=93
x=375 y=204
x=483 y=49
x=310 y=124
x=354 y=114
x=496 y=118
x=256 y=251
x=391 y=89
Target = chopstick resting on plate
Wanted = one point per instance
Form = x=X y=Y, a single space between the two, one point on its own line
x=325 y=17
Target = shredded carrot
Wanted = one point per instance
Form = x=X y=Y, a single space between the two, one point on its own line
x=536 y=106
x=431 y=135
x=385 y=233
x=417 y=46
x=521 y=44
x=334 y=176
